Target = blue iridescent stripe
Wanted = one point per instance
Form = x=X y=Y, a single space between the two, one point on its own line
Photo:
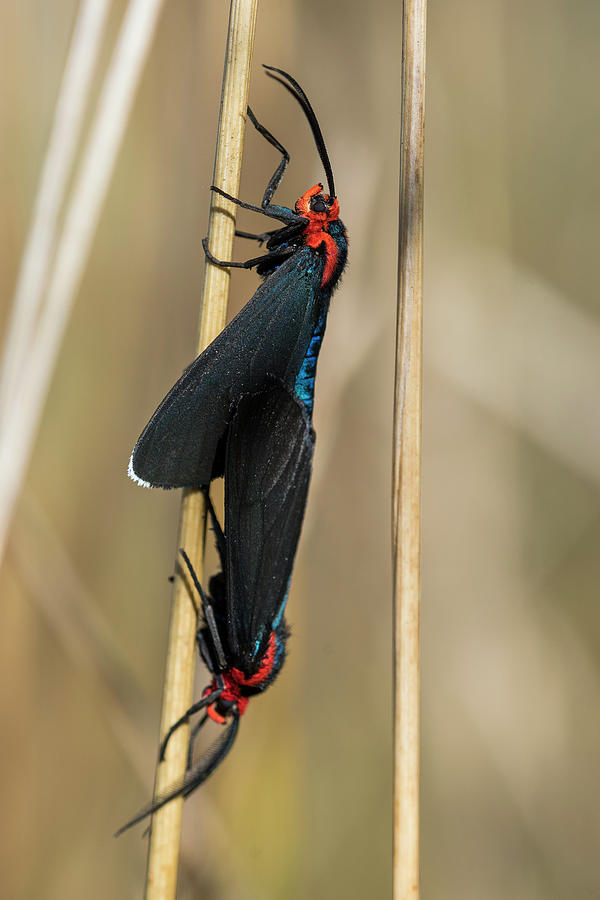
x=277 y=620
x=280 y=650
x=279 y=616
x=305 y=379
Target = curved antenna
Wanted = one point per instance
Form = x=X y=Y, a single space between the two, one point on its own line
x=295 y=89
x=213 y=758
x=193 y=779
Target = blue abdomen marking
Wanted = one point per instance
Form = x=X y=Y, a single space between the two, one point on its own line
x=277 y=620
x=305 y=379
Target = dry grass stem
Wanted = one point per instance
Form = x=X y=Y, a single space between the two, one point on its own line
x=406 y=510
x=66 y=131
x=177 y=697
x=82 y=216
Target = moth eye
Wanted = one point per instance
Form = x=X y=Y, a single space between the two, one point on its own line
x=318 y=205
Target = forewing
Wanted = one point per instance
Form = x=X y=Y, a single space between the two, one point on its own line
x=270 y=336
x=267 y=473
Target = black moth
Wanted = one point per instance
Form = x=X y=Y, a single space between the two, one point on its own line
x=243 y=638
x=277 y=334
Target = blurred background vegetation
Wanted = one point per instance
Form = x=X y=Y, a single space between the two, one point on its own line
x=510 y=628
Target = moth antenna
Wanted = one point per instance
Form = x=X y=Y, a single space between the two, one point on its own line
x=294 y=88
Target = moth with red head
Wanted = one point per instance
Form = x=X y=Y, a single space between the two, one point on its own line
x=243 y=634
x=277 y=334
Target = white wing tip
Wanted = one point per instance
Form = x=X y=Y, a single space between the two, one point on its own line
x=135 y=477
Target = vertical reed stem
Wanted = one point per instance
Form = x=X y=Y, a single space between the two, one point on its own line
x=406 y=488
x=67 y=126
x=177 y=696
x=23 y=411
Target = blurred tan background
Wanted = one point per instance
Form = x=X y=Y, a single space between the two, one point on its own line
x=510 y=628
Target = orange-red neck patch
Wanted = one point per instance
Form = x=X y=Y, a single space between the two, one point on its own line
x=235 y=681
x=316 y=232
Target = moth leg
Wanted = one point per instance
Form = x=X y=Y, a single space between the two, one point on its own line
x=278 y=237
x=250 y=236
x=275 y=179
x=282 y=213
x=194 y=708
x=209 y=615
x=216 y=527
x=278 y=255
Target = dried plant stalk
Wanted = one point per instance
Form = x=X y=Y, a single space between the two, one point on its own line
x=23 y=411
x=58 y=162
x=177 y=696
x=406 y=488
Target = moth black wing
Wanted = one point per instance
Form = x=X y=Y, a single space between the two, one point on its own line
x=270 y=336
x=267 y=472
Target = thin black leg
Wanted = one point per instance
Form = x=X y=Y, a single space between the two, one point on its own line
x=194 y=708
x=250 y=236
x=278 y=255
x=209 y=615
x=203 y=651
x=281 y=213
x=211 y=624
x=216 y=527
x=207 y=657
x=275 y=179
x=281 y=235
